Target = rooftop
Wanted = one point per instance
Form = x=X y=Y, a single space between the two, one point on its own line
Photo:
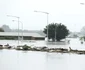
x=20 y=34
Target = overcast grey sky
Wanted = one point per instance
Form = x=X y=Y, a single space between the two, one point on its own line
x=68 y=12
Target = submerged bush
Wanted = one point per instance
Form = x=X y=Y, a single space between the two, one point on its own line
x=1 y=46
x=25 y=47
x=18 y=48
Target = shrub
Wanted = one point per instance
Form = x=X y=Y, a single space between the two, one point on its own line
x=25 y=47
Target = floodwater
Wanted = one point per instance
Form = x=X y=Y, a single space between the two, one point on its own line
x=32 y=60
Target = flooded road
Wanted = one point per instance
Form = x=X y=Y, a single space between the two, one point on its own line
x=33 y=60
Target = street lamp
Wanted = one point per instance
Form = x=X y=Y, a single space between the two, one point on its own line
x=47 y=21
x=55 y=32
x=18 y=24
x=82 y=3
x=22 y=28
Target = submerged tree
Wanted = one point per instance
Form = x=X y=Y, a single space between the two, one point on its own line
x=56 y=31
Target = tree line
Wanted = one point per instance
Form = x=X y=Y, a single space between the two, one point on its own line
x=1 y=30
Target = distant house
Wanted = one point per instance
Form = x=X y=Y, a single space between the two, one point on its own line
x=26 y=35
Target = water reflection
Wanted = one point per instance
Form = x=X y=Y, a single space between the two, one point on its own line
x=57 y=61
x=29 y=60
